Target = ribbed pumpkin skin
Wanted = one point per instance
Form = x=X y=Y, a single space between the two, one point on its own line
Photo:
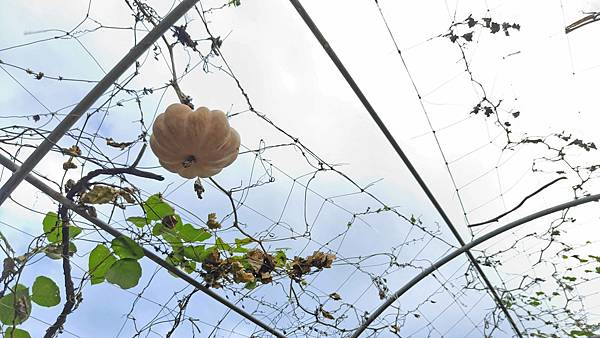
x=180 y=134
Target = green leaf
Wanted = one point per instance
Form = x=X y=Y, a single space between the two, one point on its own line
x=158 y=229
x=240 y=249
x=45 y=292
x=199 y=253
x=100 y=260
x=190 y=234
x=126 y=247
x=243 y=241
x=196 y=253
x=221 y=245
x=125 y=273
x=13 y=332
x=15 y=307
x=280 y=258
x=580 y=333
x=53 y=228
x=188 y=266
x=156 y=208
x=138 y=221
x=173 y=240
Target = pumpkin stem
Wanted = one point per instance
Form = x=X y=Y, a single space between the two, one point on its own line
x=189 y=161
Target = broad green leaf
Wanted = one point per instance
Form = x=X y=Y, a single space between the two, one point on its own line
x=239 y=249
x=174 y=259
x=125 y=273
x=177 y=260
x=280 y=258
x=13 y=332
x=45 y=292
x=125 y=247
x=100 y=260
x=15 y=307
x=190 y=234
x=138 y=221
x=250 y=285
x=243 y=241
x=158 y=229
x=196 y=253
x=53 y=228
x=156 y=208
x=188 y=266
x=221 y=245
x=581 y=333
x=50 y=221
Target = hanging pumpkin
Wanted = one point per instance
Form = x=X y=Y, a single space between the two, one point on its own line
x=194 y=143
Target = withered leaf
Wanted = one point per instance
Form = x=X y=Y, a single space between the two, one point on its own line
x=169 y=221
x=69 y=165
x=256 y=259
x=122 y=145
x=100 y=194
x=9 y=268
x=335 y=296
x=320 y=260
x=212 y=222
x=240 y=275
x=265 y=277
x=74 y=151
x=126 y=196
x=326 y=314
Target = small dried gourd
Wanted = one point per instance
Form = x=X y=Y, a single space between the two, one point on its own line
x=194 y=143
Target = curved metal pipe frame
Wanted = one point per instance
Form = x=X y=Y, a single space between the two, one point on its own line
x=464 y=249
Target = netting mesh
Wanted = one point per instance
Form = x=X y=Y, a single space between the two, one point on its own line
x=490 y=100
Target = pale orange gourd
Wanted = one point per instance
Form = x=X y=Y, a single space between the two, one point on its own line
x=194 y=143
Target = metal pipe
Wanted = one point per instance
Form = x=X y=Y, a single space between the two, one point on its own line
x=152 y=256
x=342 y=69
x=464 y=249
x=99 y=89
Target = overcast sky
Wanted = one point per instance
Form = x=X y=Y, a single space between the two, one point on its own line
x=547 y=76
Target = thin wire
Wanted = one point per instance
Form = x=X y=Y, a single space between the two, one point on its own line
x=316 y=32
